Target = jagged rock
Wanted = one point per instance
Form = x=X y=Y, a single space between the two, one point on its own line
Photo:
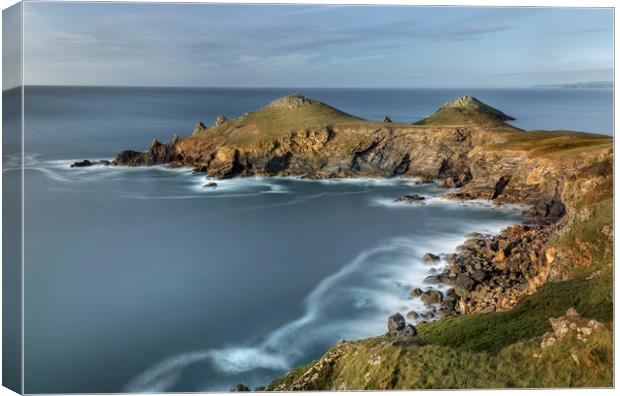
x=80 y=164
x=417 y=292
x=200 y=127
x=294 y=101
x=176 y=139
x=86 y=163
x=129 y=157
x=220 y=119
x=430 y=258
x=409 y=198
x=387 y=119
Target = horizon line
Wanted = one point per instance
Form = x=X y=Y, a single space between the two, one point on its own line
x=558 y=85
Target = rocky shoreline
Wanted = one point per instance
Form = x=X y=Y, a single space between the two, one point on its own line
x=561 y=175
x=488 y=272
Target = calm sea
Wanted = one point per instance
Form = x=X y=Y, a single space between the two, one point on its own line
x=141 y=280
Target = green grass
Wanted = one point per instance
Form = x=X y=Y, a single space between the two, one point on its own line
x=383 y=363
x=466 y=116
x=540 y=143
x=494 y=331
x=271 y=122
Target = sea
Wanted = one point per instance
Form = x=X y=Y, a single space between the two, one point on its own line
x=141 y=280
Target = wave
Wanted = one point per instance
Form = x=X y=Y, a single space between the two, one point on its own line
x=353 y=303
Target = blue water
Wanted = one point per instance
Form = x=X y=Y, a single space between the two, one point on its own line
x=140 y=280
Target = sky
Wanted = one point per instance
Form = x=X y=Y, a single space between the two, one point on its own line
x=314 y=46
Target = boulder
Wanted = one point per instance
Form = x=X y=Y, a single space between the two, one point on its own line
x=409 y=198
x=396 y=323
x=464 y=282
x=81 y=164
x=433 y=279
x=432 y=297
x=413 y=315
x=240 y=388
x=478 y=275
x=210 y=185
x=387 y=119
x=430 y=258
x=417 y=292
x=409 y=331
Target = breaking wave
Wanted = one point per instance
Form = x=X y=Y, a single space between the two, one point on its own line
x=353 y=303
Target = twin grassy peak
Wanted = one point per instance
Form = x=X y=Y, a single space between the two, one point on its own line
x=297 y=112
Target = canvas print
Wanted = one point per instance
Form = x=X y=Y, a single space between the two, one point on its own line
x=254 y=197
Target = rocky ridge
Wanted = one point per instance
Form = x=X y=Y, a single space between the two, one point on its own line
x=562 y=176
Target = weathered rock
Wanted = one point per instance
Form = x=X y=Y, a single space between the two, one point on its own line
x=87 y=163
x=409 y=198
x=413 y=315
x=240 y=388
x=417 y=292
x=458 y=196
x=80 y=164
x=387 y=119
x=396 y=323
x=430 y=258
x=464 y=282
x=572 y=322
x=409 y=331
x=210 y=185
x=220 y=120
x=199 y=128
x=432 y=297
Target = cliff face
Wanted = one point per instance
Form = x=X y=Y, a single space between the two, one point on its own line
x=303 y=137
x=505 y=288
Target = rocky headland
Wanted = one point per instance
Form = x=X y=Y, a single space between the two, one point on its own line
x=504 y=288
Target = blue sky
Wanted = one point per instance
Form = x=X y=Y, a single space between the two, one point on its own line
x=314 y=46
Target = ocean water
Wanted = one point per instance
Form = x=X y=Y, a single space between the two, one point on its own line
x=138 y=279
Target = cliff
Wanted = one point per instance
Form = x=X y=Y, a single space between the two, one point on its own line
x=509 y=291
x=298 y=136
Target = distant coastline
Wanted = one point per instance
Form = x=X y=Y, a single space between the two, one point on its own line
x=586 y=84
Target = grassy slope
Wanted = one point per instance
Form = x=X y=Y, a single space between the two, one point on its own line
x=544 y=143
x=499 y=349
x=269 y=123
x=481 y=350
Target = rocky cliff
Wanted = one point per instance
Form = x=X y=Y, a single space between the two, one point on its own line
x=504 y=287
x=298 y=136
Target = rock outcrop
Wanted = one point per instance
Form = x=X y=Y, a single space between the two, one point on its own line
x=409 y=198
x=571 y=323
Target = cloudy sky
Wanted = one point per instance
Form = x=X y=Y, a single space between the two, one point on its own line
x=313 y=46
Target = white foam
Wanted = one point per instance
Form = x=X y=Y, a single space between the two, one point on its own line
x=372 y=286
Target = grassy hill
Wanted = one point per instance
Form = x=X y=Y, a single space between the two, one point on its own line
x=466 y=110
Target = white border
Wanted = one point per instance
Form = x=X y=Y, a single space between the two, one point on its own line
x=482 y=3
